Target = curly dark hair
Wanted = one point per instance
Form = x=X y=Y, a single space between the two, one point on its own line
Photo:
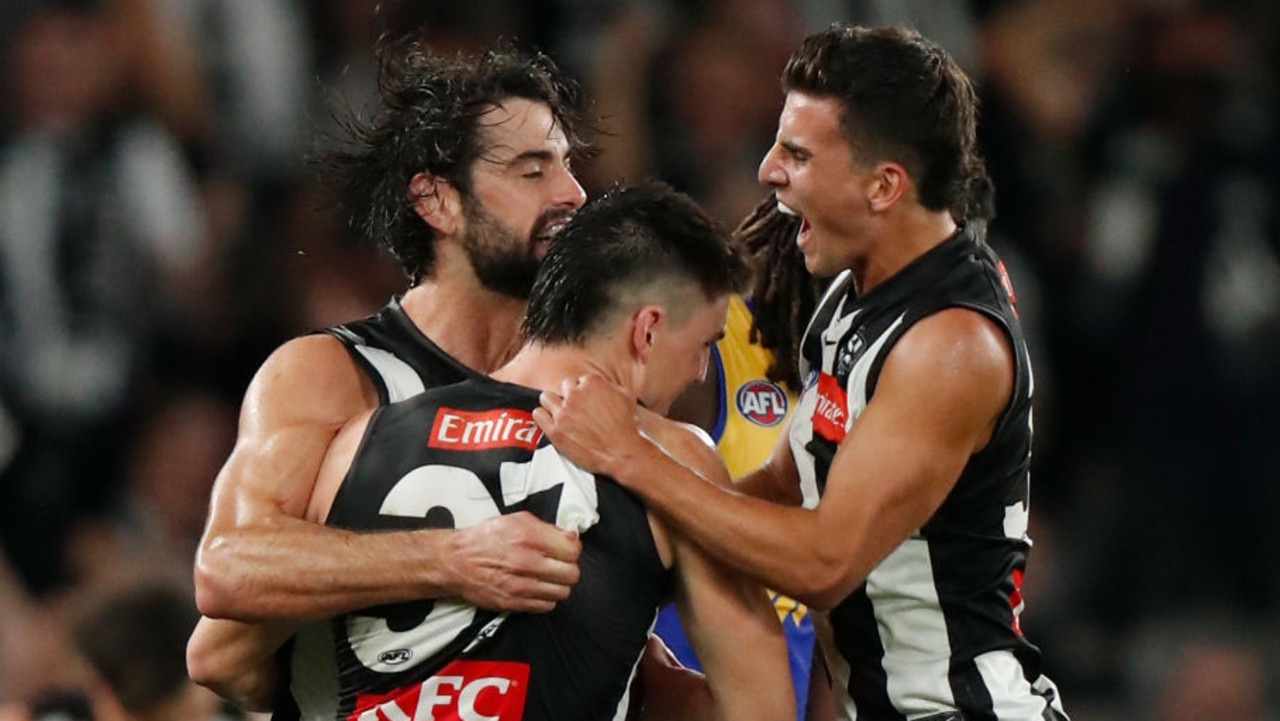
x=428 y=121
x=783 y=293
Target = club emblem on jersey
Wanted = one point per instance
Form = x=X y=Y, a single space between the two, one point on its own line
x=852 y=349
x=762 y=402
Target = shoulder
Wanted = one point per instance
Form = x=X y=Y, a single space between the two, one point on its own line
x=310 y=378
x=957 y=361
x=957 y=337
x=686 y=443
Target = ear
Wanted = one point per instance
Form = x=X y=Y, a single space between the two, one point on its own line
x=645 y=325
x=887 y=186
x=437 y=202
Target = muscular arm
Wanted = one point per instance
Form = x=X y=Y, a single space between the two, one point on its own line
x=236 y=660
x=261 y=560
x=727 y=616
x=939 y=393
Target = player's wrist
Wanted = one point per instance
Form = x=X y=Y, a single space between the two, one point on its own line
x=635 y=462
x=440 y=549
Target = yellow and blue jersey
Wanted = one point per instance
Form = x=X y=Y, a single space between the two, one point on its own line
x=751 y=412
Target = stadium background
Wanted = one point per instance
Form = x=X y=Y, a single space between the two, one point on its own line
x=160 y=232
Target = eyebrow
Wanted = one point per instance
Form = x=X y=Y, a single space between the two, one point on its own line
x=540 y=154
x=793 y=147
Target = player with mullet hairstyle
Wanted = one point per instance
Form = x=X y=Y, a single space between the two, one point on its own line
x=909 y=449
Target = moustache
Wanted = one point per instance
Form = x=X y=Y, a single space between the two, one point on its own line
x=548 y=218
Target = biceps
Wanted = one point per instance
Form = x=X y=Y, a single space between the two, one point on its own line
x=888 y=477
x=271 y=473
x=723 y=613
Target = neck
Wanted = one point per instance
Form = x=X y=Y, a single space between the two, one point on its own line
x=903 y=237
x=546 y=367
x=479 y=328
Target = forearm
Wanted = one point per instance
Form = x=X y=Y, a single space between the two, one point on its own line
x=777 y=545
x=736 y=634
x=237 y=660
x=295 y=570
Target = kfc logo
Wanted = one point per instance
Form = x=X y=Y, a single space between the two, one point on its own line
x=762 y=402
x=461 y=691
x=831 y=412
x=458 y=430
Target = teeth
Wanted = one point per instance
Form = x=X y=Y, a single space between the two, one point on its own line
x=785 y=209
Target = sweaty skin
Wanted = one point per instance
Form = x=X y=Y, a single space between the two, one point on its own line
x=261 y=561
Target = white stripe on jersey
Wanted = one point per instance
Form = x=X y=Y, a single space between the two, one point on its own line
x=579 y=500
x=401 y=380
x=917 y=650
x=856 y=387
x=801 y=434
x=1012 y=697
x=855 y=391
x=314 y=668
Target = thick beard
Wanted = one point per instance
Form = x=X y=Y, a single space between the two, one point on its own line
x=503 y=261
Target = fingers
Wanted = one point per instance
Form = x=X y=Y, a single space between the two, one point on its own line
x=536 y=585
x=517 y=562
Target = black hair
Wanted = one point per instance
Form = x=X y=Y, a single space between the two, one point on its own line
x=429 y=121
x=902 y=97
x=647 y=237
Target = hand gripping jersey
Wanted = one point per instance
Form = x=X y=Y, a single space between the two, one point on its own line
x=752 y=411
x=450 y=458
x=933 y=631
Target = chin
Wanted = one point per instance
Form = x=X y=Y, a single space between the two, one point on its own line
x=661 y=406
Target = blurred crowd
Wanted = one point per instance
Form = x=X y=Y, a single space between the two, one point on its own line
x=161 y=230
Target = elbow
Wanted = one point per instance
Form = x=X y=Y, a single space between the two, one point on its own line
x=215 y=593
x=822 y=599
x=825 y=584
x=201 y=668
x=206 y=667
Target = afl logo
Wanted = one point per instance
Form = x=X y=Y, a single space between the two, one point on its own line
x=395 y=657
x=762 y=402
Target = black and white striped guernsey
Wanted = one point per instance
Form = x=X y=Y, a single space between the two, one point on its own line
x=399 y=359
x=452 y=457
x=401 y=362
x=933 y=631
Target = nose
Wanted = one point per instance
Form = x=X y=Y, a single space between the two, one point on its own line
x=770 y=172
x=569 y=192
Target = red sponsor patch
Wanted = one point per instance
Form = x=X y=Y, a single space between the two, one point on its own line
x=459 y=430
x=1008 y=287
x=461 y=691
x=762 y=402
x=831 y=413
x=1015 y=600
